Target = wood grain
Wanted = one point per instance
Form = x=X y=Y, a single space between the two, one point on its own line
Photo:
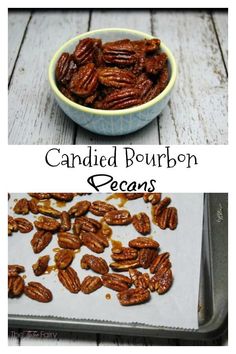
x=220 y=19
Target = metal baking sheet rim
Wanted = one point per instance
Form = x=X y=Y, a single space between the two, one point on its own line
x=213 y=328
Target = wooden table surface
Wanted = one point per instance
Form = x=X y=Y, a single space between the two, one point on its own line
x=197 y=112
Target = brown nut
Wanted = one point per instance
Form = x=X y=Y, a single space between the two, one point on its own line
x=124 y=266
x=116 y=77
x=159 y=86
x=173 y=218
x=118 y=217
x=161 y=281
x=141 y=223
x=68 y=240
x=33 y=206
x=161 y=206
x=155 y=64
x=41 y=265
x=90 y=284
x=69 y=279
x=132 y=196
x=140 y=280
x=21 y=207
x=167 y=218
x=65 y=221
x=97 y=264
x=86 y=51
x=36 y=291
x=100 y=208
x=15 y=269
x=40 y=196
x=144 y=84
x=63 y=197
x=41 y=240
x=79 y=209
x=153 y=198
x=124 y=253
x=63 y=258
x=117 y=282
x=23 y=225
x=95 y=242
x=120 y=99
x=49 y=211
x=120 y=53
x=143 y=242
x=87 y=224
x=12 y=225
x=146 y=256
x=133 y=296
x=65 y=68
x=162 y=260
x=47 y=224
x=15 y=286
x=84 y=82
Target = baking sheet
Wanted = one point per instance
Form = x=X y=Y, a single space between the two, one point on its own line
x=178 y=308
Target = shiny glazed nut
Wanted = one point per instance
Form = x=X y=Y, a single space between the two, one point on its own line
x=69 y=279
x=15 y=286
x=118 y=217
x=63 y=197
x=161 y=206
x=143 y=242
x=97 y=264
x=117 y=282
x=36 y=291
x=85 y=51
x=40 y=196
x=23 y=225
x=124 y=253
x=152 y=198
x=21 y=207
x=65 y=221
x=63 y=258
x=65 y=68
x=119 y=53
x=33 y=206
x=41 y=240
x=15 y=269
x=84 y=82
x=95 y=242
x=79 y=209
x=49 y=211
x=162 y=260
x=41 y=265
x=123 y=266
x=173 y=218
x=132 y=196
x=47 y=224
x=90 y=284
x=161 y=281
x=155 y=64
x=142 y=223
x=116 y=77
x=100 y=208
x=133 y=296
x=120 y=99
x=88 y=224
x=140 y=280
x=68 y=240
x=167 y=218
x=12 y=225
x=146 y=256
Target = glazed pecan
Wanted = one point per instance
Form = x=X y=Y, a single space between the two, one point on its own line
x=118 y=217
x=143 y=242
x=156 y=63
x=161 y=206
x=161 y=281
x=133 y=296
x=41 y=240
x=140 y=280
x=41 y=265
x=119 y=53
x=100 y=208
x=22 y=207
x=15 y=286
x=23 y=225
x=15 y=269
x=97 y=264
x=49 y=211
x=120 y=99
x=116 y=77
x=63 y=197
x=142 y=223
x=84 y=82
x=69 y=279
x=132 y=196
x=124 y=253
x=159 y=86
x=65 y=221
x=167 y=218
x=33 y=206
x=36 y=291
x=146 y=256
x=90 y=284
x=152 y=198
x=147 y=45
x=68 y=240
x=161 y=261
x=144 y=84
x=123 y=266
x=65 y=68
x=63 y=258
x=95 y=242
x=12 y=225
x=117 y=282
x=86 y=51
x=47 y=224
x=40 y=196
x=79 y=208
x=173 y=218
x=87 y=224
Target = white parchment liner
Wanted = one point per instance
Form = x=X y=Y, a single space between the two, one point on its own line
x=177 y=308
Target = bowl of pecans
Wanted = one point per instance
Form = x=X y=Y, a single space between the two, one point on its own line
x=113 y=81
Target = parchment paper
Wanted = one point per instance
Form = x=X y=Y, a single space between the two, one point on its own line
x=176 y=308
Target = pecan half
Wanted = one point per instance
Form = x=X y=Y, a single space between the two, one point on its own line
x=162 y=260
x=40 y=196
x=63 y=258
x=65 y=221
x=141 y=223
x=173 y=218
x=68 y=240
x=116 y=77
x=69 y=279
x=132 y=196
x=140 y=280
x=146 y=256
x=117 y=282
x=80 y=208
x=95 y=242
x=63 y=197
x=22 y=207
x=118 y=217
x=159 y=86
x=152 y=198
x=167 y=218
x=161 y=281
x=47 y=224
x=49 y=211
x=15 y=286
x=87 y=224
x=100 y=208
x=12 y=225
x=15 y=269
x=119 y=53
x=161 y=206
x=120 y=99
x=148 y=45
x=143 y=242
x=133 y=296
x=41 y=265
x=65 y=68
x=144 y=84
x=84 y=82
x=124 y=253
x=86 y=50
x=123 y=266
x=33 y=206
x=156 y=63
x=41 y=240
x=36 y=291
x=97 y=264
x=90 y=284
x=23 y=225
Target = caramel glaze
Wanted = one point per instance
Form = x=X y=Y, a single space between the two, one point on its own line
x=60 y=203
x=116 y=244
x=121 y=196
x=108 y=296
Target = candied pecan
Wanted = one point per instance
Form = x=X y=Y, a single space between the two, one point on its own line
x=167 y=218
x=69 y=279
x=161 y=261
x=22 y=207
x=124 y=253
x=33 y=206
x=147 y=45
x=95 y=242
x=118 y=217
x=84 y=82
x=12 y=225
x=152 y=198
x=90 y=100
x=79 y=208
x=120 y=99
x=15 y=286
x=63 y=197
x=146 y=256
x=40 y=196
x=161 y=206
x=119 y=53
x=47 y=224
x=97 y=264
x=68 y=240
x=116 y=77
x=65 y=221
x=68 y=94
x=41 y=265
x=173 y=218
x=49 y=211
x=132 y=196
x=86 y=51
x=144 y=84
x=100 y=208
x=143 y=242
x=123 y=266
x=15 y=269
x=117 y=282
x=88 y=224
x=63 y=258
x=133 y=296
x=161 y=281
x=159 y=86
x=140 y=280
x=90 y=284
x=141 y=223
x=156 y=63
x=65 y=68
x=36 y=291
x=23 y=225
x=41 y=240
